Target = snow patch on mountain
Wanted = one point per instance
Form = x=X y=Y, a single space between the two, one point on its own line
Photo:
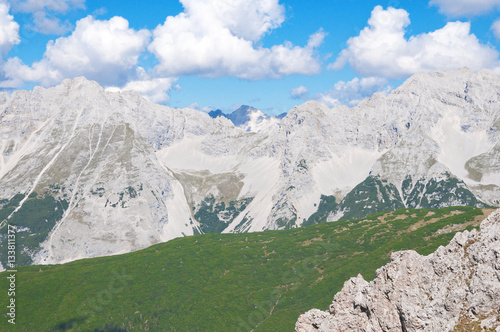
x=344 y=171
x=187 y=155
x=261 y=181
x=459 y=143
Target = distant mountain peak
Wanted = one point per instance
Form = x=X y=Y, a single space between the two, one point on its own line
x=244 y=114
x=248 y=118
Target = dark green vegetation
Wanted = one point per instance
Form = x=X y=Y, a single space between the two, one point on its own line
x=222 y=282
x=326 y=205
x=215 y=217
x=34 y=220
x=435 y=194
x=375 y=195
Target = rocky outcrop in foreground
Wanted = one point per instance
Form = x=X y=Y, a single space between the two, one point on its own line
x=457 y=288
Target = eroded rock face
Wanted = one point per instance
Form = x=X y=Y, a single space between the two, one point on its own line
x=455 y=288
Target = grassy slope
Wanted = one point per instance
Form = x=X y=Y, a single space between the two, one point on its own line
x=215 y=282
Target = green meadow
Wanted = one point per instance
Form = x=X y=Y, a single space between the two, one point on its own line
x=223 y=282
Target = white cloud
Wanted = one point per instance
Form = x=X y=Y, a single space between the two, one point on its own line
x=16 y=73
x=9 y=30
x=458 y=8
x=300 y=92
x=33 y=6
x=248 y=19
x=211 y=38
x=46 y=24
x=106 y=51
x=316 y=39
x=345 y=93
x=352 y=92
x=44 y=13
x=220 y=38
x=496 y=28
x=155 y=89
x=382 y=50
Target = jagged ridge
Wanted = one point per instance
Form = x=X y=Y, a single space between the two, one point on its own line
x=455 y=288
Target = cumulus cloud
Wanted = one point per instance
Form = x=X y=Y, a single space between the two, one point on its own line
x=214 y=38
x=154 y=89
x=382 y=50
x=345 y=93
x=49 y=24
x=458 y=8
x=44 y=13
x=248 y=19
x=106 y=51
x=352 y=92
x=300 y=92
x=9 y=30
x=210 y=38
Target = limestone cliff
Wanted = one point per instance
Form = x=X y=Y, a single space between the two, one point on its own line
x=457 y=288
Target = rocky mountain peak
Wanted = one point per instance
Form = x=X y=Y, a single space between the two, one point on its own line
x=81 y=83
x=241 y=115
x=457 y=285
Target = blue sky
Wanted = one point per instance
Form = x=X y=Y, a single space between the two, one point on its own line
x=269 y=54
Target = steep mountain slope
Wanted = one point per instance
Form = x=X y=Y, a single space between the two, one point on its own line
x=94 y=152
x=85 y=172
x=455 y=288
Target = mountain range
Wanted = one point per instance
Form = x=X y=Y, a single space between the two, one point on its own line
x=86 y=172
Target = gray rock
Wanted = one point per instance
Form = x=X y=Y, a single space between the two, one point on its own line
x=456 y=286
